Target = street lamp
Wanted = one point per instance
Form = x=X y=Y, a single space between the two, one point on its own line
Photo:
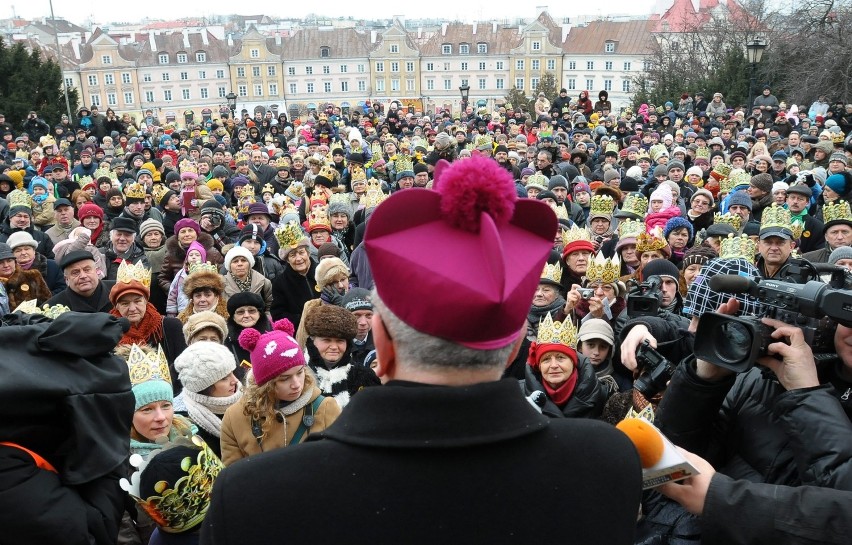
x=232 y=104
x=754 y=54
x=465 y=93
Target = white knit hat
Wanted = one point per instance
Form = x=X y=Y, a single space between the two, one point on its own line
x=203 y=364
x=695 y=170
x=634 y=172
x=238 y=251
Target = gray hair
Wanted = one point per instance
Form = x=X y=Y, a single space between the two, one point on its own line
x=427 y=353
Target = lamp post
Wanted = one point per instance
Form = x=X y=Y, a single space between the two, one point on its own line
x=754 y=54
x=232 y=104
x=465 y=93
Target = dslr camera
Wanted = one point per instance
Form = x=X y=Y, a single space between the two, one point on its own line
x=655 y=371
x=643 y=299
x=736 y=343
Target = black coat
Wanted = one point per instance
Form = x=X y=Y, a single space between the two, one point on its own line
x=434 y=464
x=97 y=302
x=290 y=292
x=587 y=400
x=45 y=245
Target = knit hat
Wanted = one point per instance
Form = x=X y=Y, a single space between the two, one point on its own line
x=675 y=164
x=844 y=252
x=762 y=181
x=38 y=181
x=329 y=269
x=696 y=171
x=238 y=251
x=840 y=183
x=204 y=363
x=187 y=222
x=6 y=252
x=214 y=184
x=596 y=328
x=611 y=174
x=198 y=247
x=245 y=299
x=838 y=156
x=581 y=187
x=660 y=267
x=338 y=207
x=213 y=208
x=258 y=208
x=634 y=172
x=662 y=193
x=202 y=320
x=150 y=225
x=142 y=171
x=740 y=198
x=332 y=322
x=152 y=391
x=779 y=186
x=661 y=170
x=327 y=249
x=21 y=238
x=357 y=299
x=274 y=352
x=704 y=193
x=675 y=223
x=251 y=232
x=698 y=255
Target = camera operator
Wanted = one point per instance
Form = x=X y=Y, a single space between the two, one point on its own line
x=659 y=280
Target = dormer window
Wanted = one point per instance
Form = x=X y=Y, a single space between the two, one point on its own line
x=609 y=47
x=181 y=58
x=164 y=58
x=447 y=49
x=325 y=52
x=464 y=49
x=482 y=48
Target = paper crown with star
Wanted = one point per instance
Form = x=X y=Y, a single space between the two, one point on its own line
x=630 y=228
x=734 y=220
x=552 y=272
x=133 y=272
x=290 y=235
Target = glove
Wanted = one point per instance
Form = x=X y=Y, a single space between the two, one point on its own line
x=331 y=296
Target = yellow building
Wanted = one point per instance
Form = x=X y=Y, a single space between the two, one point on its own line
x=395 y=68
x=257 y=73
x=538 y=52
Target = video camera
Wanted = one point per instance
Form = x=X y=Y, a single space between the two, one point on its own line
x=643 y=299
x=655 y=371
x=736 y=343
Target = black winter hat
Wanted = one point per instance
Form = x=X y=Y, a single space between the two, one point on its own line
x=660 y=267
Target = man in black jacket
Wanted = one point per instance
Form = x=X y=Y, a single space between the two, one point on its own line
x=85 y=291
x=424 y=459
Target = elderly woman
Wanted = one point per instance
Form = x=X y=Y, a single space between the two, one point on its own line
x=295 y=286
x=206 y=370
x=18 y=284
x=567 y=379
x=282 y=404
x=245 y=310
x=205 y=288
x=205 y=326
x=91 y=217
x=332 y=283
x=24 y=247
x=240 y=276
x=608 y=292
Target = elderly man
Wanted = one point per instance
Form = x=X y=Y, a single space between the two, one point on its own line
x=122 y=246
x=64 y=222
x=837 y=231
x=21 y=219
x=439 y=366
x=85 y=292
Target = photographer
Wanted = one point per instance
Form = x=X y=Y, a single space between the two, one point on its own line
x=602 y=294
x=657 y=295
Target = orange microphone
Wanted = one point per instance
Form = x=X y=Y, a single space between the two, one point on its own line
x=661 y=461
x=645 y=437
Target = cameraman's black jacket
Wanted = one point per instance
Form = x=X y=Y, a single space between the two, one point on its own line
x=587 y=400
x=750 y=428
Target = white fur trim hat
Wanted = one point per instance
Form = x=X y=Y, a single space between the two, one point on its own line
x=203 y=364
x=238 y=251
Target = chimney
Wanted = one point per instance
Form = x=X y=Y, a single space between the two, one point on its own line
x=152 y=39
x=186 y=38
x=443 y=29
x=278 y=39
x=230 y=40
x=204 y=38
x=474 y=28
x=373 y=36
x=494 y=27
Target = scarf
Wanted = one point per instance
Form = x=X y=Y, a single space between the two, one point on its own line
x=97 y=232
x=537 y=314
x=561 y=394
x=293 y=407
x=244 y=285
x=26 y=266
x=207 y=411
x=149 y=329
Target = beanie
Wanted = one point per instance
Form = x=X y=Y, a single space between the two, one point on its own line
x=219 y=171
x=662 y=193
x=634 y=172
x=696 y=171
x=215 y=185
x=762 y=181
x=611 y=174
x=596 y=328
x=660 y=267
x=581 y=187
x=357 y=299
x=203 y=364
x=187 y=222
x=245 y=299
x=779 y=186
x=151 y=391
x=844 y=252
x=150 y=225
x=675 y=164
x=90 y=209
x=238 y=251
x=272 y=353
x=838 y=183
x=704 y=193
x=198 y=247
x=675 y=223
x=557 y=181
x=698 y=255
x=142 y=171
x=327 y=249
x=838 y=156
x=740 y=198
x=203 y=320
x=251 y=232
x=661 y=170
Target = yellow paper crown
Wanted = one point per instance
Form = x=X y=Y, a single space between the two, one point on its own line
x=656 y=150
x=247 y=192
x=188 y=167
x=374 y=195
x=357 y=173
x=635 y=203
x=647 y=242
x=267 y=189
x=722 y=170
x=147 y=366
x=539 y=179
x=241 y=157
x=630 y=228
x=134 y=190
x=86 y=180
x=775 y=216
x=733 y=220
x=702 y=153
x=575 y=234
x=130 y=272
x=611 y=146
x=602 y=269
x=290 y=235
x=159 y=191
x=19 y=197
x=837 y=211
x=602 y=205
x=31 y=307
x=560 y=211
x=550 y=332
x=552 y=272
x=338 y=198
x=103 y=172
x=741 y=246
x=403 y=162
x=329 y=173
x=798 y=227
x=282 y=162
x=202 y=268
x=643 y=154
x=736 y=178
x=318 y=218
x=376 y=148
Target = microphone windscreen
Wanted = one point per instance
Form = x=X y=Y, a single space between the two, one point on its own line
x=730 y=283
x=647 y=440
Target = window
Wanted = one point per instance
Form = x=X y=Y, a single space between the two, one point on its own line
x=93 y=80
x=500 y=84
x=255 y=71
x=430 y=85
x=590 y=65
x=205 y=93
x=380 y=85
x=499 y=65
x=482 y=83
x=201 y=56
x=551 y=64
x=361 y=68
x=362 y=85
x=326 y=87
x=326 y=69
x=519 y=83
x=482 y=48
x=519 y=64
x=394 y=48
x=181 y=58
x=112 y=99
x=464 y=83
x=343 y=68
x=242 y=90
x=536 y=46
x=572 y=84
x=409 y=84
x=292 y=88
x=446 y=66
x=149 y=96
x=109 y=79
x=255 y=53
x=146 y=77
x=166 y=76
x=167 y=95
x=482 y=66
x=533 y=83
x=202 y=74
x=607 y=85
x=106 y=59
x=625 y=86
x=291 y=70
x=325 y=52
x=430 y=66
x=394 y=66
x=220 y=74
x=184 y=75
x=609 y=47
x=627 y=66
x=448 y=84
x=646 y=65
x=185 y=94
x=309 y=87
x=590 y=84
x=608 y=65
x=69 y=82
x=222 y=92
x=163 y=58
x=258 y=89
x=464 y=49
x=409 y=67
x=128 y=98
x=309 y=70
x=273 y=89
x=447 y=49
x=380 y=67
x=572 y=65
x=395 y=84
x=464 y=66
x=536 y=64
x=344 y=86
x=241 y=71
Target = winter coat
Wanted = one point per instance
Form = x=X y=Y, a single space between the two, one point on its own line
x=24 y=286
x=238 y=440
x=113 y=261
x=51 y=273
x=97 y=302
x=259 y=285
x=176 y=256
x=342 y=380
x=45 y=245
x=290 y=292
x=716 y=108
x=444 y=429
x=587 y=400
x=268 y=265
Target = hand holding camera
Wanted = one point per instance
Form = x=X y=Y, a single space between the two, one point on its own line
x=796 y=367
x=638 y=334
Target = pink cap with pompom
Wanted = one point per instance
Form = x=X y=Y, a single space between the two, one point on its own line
x=461 y=262
x=272 y=353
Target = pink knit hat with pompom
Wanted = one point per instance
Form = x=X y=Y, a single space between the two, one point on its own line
x=272 y=353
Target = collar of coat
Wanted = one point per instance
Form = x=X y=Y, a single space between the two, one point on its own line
x=411 y=415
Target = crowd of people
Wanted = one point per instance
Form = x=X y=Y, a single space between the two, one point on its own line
x=259 y=280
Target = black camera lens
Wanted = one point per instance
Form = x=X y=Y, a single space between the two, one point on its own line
x=735 y=342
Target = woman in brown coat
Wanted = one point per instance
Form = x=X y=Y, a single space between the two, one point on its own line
x=21 y=285
x=282 y=404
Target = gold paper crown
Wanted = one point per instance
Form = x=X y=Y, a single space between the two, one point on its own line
x=357 y=173
x=339 y=198
x=202 y=268
x=267 y=189
x=635 y=203
x=31 y=307
x=602 y=205
x=575 y=234
x=560 y=211
x=837 y=211
x=798 y=227
x=247 y=192
x=611 y=146
x=376 y=148
x=103 y=172
x=403 y=162
x=322 y=117
x=775 y=216
x=86 y=180
x=737 y=177
x=290 y=235
x=241 y=157
x=158 y=192
x=147 y=366
x=741 y=246
x=550 y=332
x=318 y=196
x=733 y=220
x=656 y=150
x=318 y=218
x=188 y=167
x=722 y=170
x=19 y=197
x=630 y=228
x=129 y=272
x=329 y=173
x=21 y=154
x=552 y=272
x=281 y=162
x=46 y=141
x=647 y=242
x=374 y=195
x=602 y=269
x=539 y=179
x=182 y=505
x=702 y=153
x=134 y=190
x=643 y=154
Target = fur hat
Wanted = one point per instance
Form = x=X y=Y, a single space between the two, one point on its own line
x=204 y=363
x=277 y=351
x=202 y=320
x=203 y=279
x=330 y=321
x=328 y=269
x=245 y=299
x=238 y=251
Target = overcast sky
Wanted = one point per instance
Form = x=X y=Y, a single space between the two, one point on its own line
x=104 y=11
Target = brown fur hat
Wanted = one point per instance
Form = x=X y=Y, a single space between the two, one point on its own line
x=331 y=321
x=611 y=191
x=25 y=285
x=204 y=279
